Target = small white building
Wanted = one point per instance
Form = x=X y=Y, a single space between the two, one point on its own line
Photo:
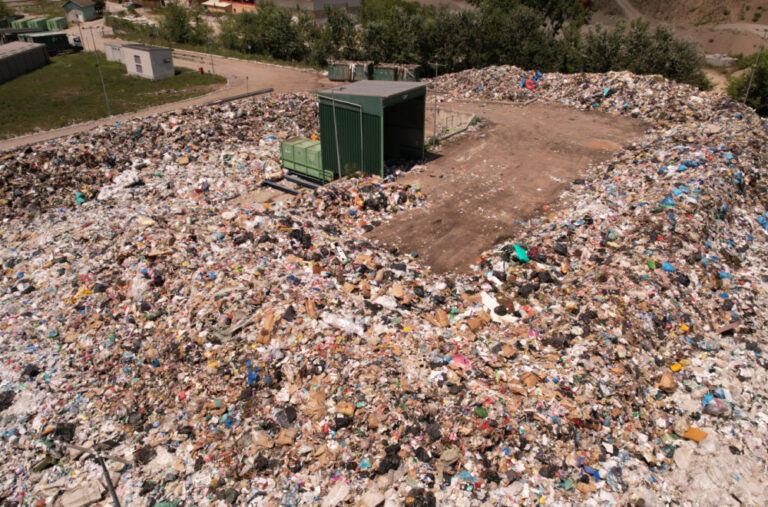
x=114 y=52
x=152 y=62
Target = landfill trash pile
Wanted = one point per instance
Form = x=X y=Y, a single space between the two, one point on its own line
x=651 y=97
x=244 y=353
x=64 y=174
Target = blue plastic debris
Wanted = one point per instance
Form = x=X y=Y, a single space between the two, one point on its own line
x=668 y=202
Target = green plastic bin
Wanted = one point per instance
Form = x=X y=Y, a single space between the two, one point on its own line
x=301 y=149
x=315 y=156
x=287 y=147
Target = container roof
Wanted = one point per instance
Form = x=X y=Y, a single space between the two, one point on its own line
x=17 y=47
x=145 y=47
x=382 y=89
x=81 y=3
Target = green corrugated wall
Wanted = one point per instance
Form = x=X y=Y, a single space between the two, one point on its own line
x=348 y=126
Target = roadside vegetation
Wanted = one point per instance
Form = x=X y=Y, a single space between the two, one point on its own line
x=68 y=90
x=546 y=35
x=758 y=92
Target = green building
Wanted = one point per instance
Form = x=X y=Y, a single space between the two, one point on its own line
x=373 y=123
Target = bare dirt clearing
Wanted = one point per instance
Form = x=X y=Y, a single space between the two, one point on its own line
x=486 y=181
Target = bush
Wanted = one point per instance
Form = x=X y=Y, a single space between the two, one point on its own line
x=758 y=93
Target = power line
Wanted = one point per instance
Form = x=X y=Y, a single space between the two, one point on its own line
x=754 y=67
x=101 y=75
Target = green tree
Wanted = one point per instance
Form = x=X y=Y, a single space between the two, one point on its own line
x=229 y=35
x=554 y=13
x=602 y=49
x=513 y=36
x=269 y=31
x=394 y=38
x=175 y=24
x=559 y=12
x=338 y=37
x=758 y=92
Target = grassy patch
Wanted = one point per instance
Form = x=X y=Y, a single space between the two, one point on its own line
x=68 y=90
x=41 y=8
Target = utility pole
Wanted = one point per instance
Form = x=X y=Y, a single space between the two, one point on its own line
x=101 y=75
x=210 y=53
x=434 y=133
x=754 y=67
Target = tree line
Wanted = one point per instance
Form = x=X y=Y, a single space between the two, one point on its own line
x=547 y=35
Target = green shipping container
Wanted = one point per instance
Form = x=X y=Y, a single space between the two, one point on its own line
x=38 y=23
x=385 y=72
x=54 y=42
x=338 y=71
x=19 y=23
x=55 y=24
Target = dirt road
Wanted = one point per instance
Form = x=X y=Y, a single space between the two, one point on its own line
x=486 y=181
x=242 y=76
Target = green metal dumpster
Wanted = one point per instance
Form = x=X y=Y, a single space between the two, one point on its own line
x=360 y=71
x=408 y=73
x=385 y=72
x=338 y=71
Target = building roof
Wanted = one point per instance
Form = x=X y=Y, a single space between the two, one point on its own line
x=80 y=3
x=18 y=47
x=146 y=47
x=383 y=89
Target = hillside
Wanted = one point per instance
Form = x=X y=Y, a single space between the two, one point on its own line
x=700 y=12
